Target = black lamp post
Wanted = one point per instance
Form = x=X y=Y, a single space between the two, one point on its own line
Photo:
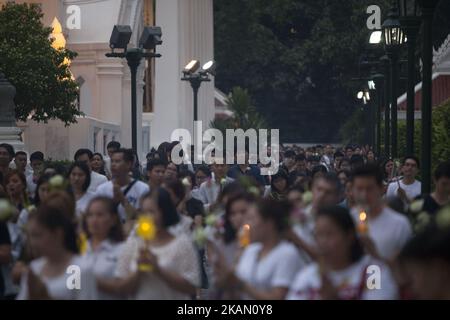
x=428 y=7
x=410 y=21
x=378 y=79
x=393 y=39
x=196 y=78
x=384 y=62
x=120 y=37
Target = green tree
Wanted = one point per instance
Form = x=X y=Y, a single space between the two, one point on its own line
x=297 y=59
x=44 y=84
x=244 y=116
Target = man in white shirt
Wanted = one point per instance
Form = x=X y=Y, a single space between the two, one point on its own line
x=124 y=191
x=110 y=148
x=408 y=188
x=210 y=189
x=37 y=164
x=86 y=155
x=387 y=230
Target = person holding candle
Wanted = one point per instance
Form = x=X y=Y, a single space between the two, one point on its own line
x=52 y=234
x=268 y=265
x=175 y=272
x=342 y=270
x=388 y=230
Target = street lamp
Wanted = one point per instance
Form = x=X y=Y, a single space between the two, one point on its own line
x=393 y=39
x=196 y=78
x=377 y=79
x=410 y=21
x=120 y=37
x=428 y=7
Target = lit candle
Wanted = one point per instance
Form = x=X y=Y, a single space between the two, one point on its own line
x=244 y=239
x=363 y=226
x=146 y=230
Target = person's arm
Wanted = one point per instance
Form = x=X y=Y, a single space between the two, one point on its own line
x=5 y=254
x=275 y=293
x=302 y=245
x=173 y=279
x=119 y=286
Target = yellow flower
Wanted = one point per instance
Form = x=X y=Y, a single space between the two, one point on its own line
x=443 y=218
x=146 y=228
x=211 y=220
x=6 y=210
x=56 y=182
x=200 y=236
x=82 y=243
x=416 y=206
x=307 y=197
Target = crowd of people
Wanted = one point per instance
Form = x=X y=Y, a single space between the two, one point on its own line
x=331 y=223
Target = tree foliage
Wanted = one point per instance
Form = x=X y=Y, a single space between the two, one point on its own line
x=44 y=85
x=244 y=116
x=296 y=58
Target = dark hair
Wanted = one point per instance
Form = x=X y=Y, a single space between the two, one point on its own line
x=42 y=179
x=58 y=167
x=128 y=154
x=113 y=145
x=319 y=168
x=22 y=178
x=281 y=174
x=349 y=147
x=37 y=155
x=18 y=173
x=356 y=160
x=289 y=153
x=205 y=169
x=332 y=179
x=442 y=170
x=229 y=232
x=115 y=233
x=8 y=148
x=297 y=187
x=169 y=212
x=18 y=153
x=276 y=211
x=83 y=166
x=177 y=188
x=338 y=154
x=154 y=163
x=412 y=157
x=81 y=152
x=368 y=170
x=342 y=218
x=102 y=169
x=431 y=243
x=300 y=157
x=53 y=218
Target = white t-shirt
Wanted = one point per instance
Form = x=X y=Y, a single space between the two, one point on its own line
x=57 y=286
x=83 y=202
x=96 y=180
x=351 y=283
x=276 y=269
x=103 y=262
x=412 y=190
x=31 y=185
x=133 y=195
x=179 y=256
x=389 y=231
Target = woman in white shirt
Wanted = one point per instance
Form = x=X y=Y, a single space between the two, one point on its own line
x=175 y=271
x=80 y=178
x=343 y=270
x=105 y=236
x=59 y=273
x=268 y=265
